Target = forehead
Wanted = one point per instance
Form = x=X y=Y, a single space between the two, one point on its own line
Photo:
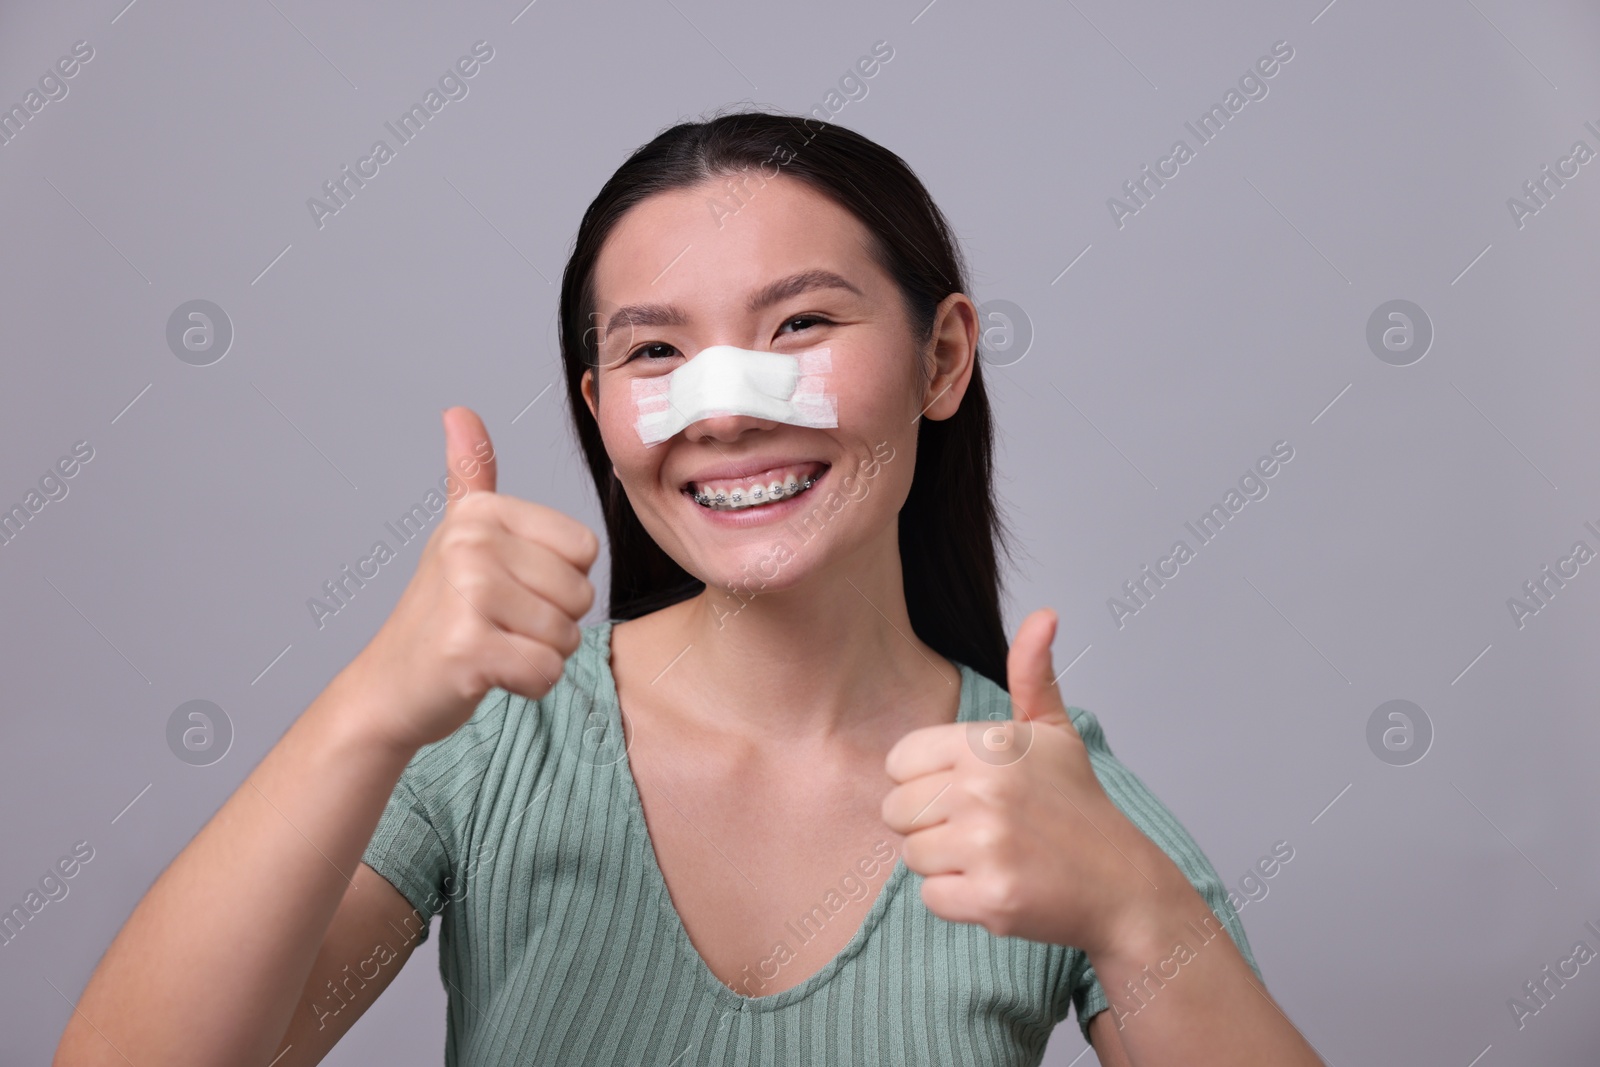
x=701 y=245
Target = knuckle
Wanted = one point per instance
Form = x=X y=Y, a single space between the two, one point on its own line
x=466 y=571
x=912 y=852
x=475 y=503
x=545 y=621
x=465 y=535
x=463 y=667
x=986 y=835
x=1002 y=897
x=550 y=663
x=987 y=787
x=1010 y=785
x=460 y=645
x=571 y=637
x=589 y=544
x=473 y=685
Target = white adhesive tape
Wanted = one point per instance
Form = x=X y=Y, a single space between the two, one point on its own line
x=724 y=380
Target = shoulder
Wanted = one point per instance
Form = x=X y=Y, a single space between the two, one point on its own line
x=507 y=726
x=587 y=672
x=989 y=700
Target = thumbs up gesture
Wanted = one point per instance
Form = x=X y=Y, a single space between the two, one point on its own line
x=1009 y=826
x=495 y=601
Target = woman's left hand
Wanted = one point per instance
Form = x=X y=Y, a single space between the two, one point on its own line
x=1010 y=827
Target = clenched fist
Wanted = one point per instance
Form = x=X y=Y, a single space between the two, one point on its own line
x=495 y=602
x=1011 y=828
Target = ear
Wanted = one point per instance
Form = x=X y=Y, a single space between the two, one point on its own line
x=954 y=348
x=589 y=388
x=590 y=397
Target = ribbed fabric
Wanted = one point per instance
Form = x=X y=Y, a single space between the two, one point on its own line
x=559 y=943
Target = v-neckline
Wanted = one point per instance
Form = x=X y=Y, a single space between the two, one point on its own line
x=726 y=997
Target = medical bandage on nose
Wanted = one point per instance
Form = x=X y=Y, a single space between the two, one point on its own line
x=724 y=380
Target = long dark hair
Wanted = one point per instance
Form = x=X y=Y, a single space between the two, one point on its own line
x=950 y=526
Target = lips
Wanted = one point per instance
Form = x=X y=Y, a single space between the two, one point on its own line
x=752 y=473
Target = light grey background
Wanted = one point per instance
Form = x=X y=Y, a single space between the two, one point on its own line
x=1228 y=314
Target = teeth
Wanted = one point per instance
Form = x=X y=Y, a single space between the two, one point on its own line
x=735 y=499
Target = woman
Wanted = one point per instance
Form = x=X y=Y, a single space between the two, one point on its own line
x=778 y=807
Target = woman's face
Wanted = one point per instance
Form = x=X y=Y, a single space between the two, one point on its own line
x=786 y=271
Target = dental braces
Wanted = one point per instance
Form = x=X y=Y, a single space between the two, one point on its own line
x=758 y=495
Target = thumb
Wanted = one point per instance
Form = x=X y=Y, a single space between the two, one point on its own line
x=1030 y=674
x=468 y=453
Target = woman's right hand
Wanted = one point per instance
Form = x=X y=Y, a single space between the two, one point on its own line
x=495 y=602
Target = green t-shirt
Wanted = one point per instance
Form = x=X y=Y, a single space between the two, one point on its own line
x=559 y=943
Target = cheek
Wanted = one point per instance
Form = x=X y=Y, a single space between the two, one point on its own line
x=616 y=418
x=875 y=396
x=889 y=488
x=877 y=410
x=616 y=411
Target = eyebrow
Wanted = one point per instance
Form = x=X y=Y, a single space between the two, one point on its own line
x=782 y=289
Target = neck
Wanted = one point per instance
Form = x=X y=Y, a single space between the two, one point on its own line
x=832 y=655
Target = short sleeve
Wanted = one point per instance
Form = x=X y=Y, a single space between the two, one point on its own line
x=408 y=851
x=1142 y=808
x=418 y=840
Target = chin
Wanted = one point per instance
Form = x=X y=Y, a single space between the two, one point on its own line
x=770 y=567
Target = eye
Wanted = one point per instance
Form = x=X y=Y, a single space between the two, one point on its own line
x=806 y=318
x=651 y=349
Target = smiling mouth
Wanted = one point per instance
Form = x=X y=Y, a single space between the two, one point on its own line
x=754 y=491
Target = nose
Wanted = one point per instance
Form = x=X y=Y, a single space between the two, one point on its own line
x=725 y=427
